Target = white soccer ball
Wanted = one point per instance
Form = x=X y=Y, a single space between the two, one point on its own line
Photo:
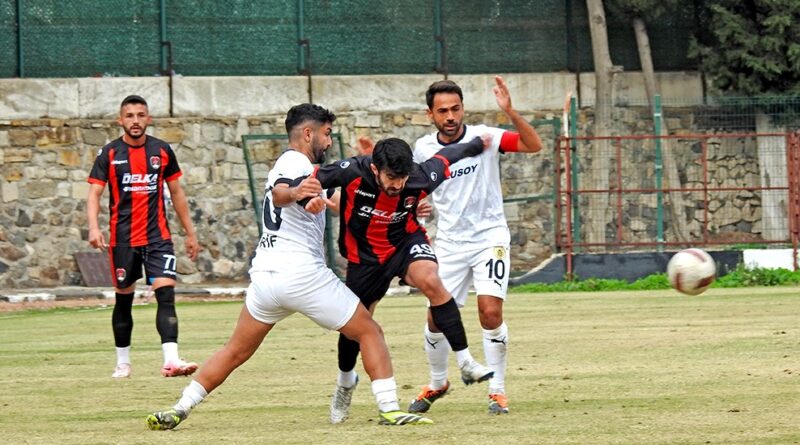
x=691 y=271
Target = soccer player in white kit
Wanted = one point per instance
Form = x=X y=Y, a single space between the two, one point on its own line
x=289 y=275
x=472 y=238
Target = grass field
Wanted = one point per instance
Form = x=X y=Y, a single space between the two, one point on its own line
x=585 y=368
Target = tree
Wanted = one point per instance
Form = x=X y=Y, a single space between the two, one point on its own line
x=752 y=48
x=604 y=71
x=641 y=12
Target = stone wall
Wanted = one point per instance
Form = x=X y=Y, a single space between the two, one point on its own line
x=51 y=129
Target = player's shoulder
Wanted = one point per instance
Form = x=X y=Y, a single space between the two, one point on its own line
x=427 y=141
x=116 y=144
x=156 y=142
x=477 y=130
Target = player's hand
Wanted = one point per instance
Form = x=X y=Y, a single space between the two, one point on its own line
x=424 y=209
x=486 y=138
x=192 y=246
x=308 y=188
x=365 y=145
x=315 y=205
x=96 y=239
x=501 y=94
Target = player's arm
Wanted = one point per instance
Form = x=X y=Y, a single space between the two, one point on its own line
x=525 y=139
x=455 y=152
x=181 y=206
x=96 y=238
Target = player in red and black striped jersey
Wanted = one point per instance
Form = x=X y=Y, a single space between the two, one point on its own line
x=136 y=168
x=381 y=239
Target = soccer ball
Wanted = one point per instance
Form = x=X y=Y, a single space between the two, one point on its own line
x=691 y=271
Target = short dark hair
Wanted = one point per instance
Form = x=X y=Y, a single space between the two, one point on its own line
x=442 y=86
x=299 y=114
x=133 y=99
x=393 y=155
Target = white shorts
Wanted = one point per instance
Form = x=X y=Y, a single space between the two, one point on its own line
x=486 y=268
x=312 y=291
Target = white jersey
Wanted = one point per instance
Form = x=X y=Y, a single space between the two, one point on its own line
x=290 y=235
x=470 y=201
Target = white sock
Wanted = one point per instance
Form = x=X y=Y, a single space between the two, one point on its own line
x=495 y=346
x=385 y=391
x=463 y=357
x=437 y=348
x=124 y=355
x=192 y=396
x=170 y=352
x=347 y=379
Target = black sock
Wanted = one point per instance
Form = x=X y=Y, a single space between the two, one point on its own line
x=348 y=353
x=122 y=320
x=447 y=318
x=166 y=318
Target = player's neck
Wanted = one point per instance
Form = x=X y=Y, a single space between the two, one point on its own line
x=447 y=140
x=304 y=150
x=134 y=142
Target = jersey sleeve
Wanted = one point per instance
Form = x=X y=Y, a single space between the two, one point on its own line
x=99 y=173
x=172 y=171
x=341 y=172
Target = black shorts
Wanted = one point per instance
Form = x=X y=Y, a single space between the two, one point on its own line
x=158 y=260
x=371 y=281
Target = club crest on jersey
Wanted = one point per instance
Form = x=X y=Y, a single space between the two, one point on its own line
x=499 y=252
x=409 y=202
x=120 y=274
x=344 y=164
x=155 y=161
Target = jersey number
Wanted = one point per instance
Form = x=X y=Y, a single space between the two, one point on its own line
x=497 y=269
x=269 y=210
x=424 y=249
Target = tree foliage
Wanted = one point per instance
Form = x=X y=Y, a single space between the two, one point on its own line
x=750 y=47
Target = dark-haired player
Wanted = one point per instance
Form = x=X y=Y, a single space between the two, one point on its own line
x=472 y=240
x=381 y=239
x=135 y=167
x=289 y=275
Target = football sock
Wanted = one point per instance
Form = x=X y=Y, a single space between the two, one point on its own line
x=166 y=318
x=447 y=318
x=170 y=352
x=192 y=396
x=348 y=353
x=463 y=357
x=122 y=320
x=495 y=346
x=437 y=348
x=124 y=355
x=347 y=379
x=385 y=391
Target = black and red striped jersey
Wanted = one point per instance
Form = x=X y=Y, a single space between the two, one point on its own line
x=372 y=223
x=135 y=178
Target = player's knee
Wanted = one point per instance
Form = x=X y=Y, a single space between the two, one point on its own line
x=491 y=318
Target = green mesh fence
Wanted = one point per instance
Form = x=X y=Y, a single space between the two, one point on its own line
x=287 y=37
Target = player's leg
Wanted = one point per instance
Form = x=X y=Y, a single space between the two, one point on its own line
x=243 y=343
x=422 y=272
x=161 y=269
x=127 y=268
x=369 y=284
x=490 y=269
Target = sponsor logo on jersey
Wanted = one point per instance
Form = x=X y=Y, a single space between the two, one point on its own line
x=409 y=201
x=155 y=161
x=381 y=216
x=119 y=161
x=363 y=193
x=499 y=252
x=99 y=151
x=434 y=176
x=344 y=164
x=463 y=171
x=140 y=182
x=120 y=272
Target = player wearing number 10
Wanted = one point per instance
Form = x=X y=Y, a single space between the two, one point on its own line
x=472 y=240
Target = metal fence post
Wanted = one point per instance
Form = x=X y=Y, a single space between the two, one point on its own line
x=20 y=51
x=574 y=167
x=659 y=167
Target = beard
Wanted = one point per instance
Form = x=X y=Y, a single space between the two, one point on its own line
x=450 y=129
x=134 y=133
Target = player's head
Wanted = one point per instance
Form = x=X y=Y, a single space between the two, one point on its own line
x=446 y=108
x=309 y=127
x=392 y=162
x=134 y=116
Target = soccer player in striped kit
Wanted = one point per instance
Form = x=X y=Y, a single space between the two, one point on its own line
x=472 y=238
x=136 y=167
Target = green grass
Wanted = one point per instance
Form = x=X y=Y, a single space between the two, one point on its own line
x=637 y=367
